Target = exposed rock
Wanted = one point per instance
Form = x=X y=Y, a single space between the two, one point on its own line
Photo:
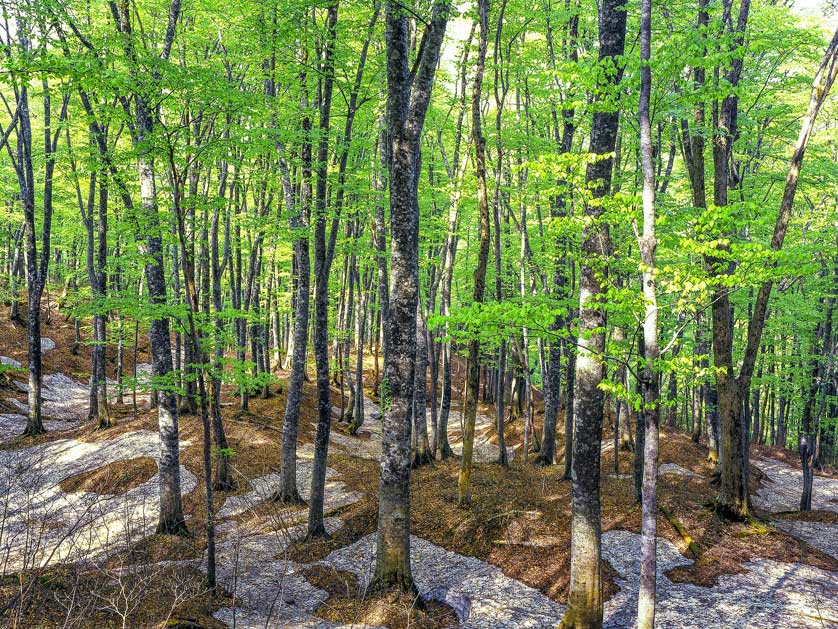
x=484 y=450
x=361 y=448
x=819 y=535
x=784 y=485
x=61 y=397
x=270 y=589
x=781 y=491
x=262 y=488
x=47 y=344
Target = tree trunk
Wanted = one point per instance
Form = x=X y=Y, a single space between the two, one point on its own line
x=297 y=221
x=479 y=281
x=408 y=97
x=651 y=403
x=322 y=264
x=552 y=394
x=171 y=518
x=584 y=609
x=732 y=500
x=421 y=447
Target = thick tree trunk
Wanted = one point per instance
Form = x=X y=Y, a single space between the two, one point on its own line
x=732 y=500
x=408 y=97
x=584 y=609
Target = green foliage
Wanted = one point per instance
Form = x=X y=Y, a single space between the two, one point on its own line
x=239 y=95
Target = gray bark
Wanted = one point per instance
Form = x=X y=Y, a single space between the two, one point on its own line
x=584 y=609
x=408 y=97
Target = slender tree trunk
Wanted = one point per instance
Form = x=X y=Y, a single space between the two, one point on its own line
x=322 y=263
x=223 y=479
x=363 y=298
x=171 y=518
x=100 y=276
x=651 y=403
x=560 y=272
x=36 y=266
x=380 y=244
x=569 y=414
x=455 y=168
x=421 y=448
x=501 y=88
x=198 y=355
x=297 y=221
x=473 y=377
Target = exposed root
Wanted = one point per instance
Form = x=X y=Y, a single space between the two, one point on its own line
x=288 y=498
x=730 y=514
x=33 y=431
x=542 y=461
x=318 y=532
x=173 y=527
x=419 y=459
x=445 y=452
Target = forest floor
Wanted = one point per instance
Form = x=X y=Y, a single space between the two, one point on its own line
x=79 y=508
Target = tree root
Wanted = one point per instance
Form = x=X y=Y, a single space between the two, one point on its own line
x=542 y=461
x=288 y=499
x=177 y=527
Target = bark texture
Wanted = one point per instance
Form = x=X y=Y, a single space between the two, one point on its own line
x=584 y=609
x=408 y=97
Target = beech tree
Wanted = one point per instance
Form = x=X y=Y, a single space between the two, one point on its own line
x=647 y=243
x=408 y=97
x=498 y=222
x=473 y=377
x=584 y=608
